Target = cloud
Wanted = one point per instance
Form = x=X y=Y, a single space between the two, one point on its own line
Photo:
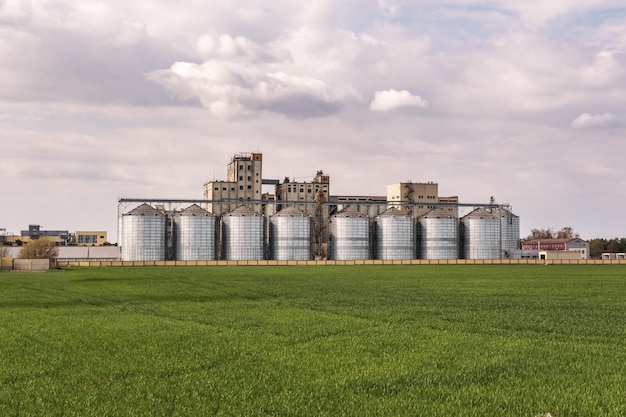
x=587 y=120
x=391 y=100
x=240 y=77
x=230 y=89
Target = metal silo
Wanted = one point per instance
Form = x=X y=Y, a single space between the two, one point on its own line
x=291 y=235
x=242 y=235
x=439 y=235
x=194 y=234
x=142 y=234
x=481 y=235
x=509 y=231
x=350 y=235
x=395 y=235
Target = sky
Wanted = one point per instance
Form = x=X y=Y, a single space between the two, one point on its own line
x=524 y=101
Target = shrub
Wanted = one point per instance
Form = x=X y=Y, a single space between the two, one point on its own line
x=39 y=249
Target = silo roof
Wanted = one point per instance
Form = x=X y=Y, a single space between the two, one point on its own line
x=480 y=213
x=145 y=210
x=350 y=211
x=438 y=213
x=194 y=210
x=291 y=211
x=242 y=211
x=394 y=212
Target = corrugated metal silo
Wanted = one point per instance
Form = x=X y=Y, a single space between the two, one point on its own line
x=481 y=235
x=395 y=235
x=509 y=230
x=242 y=235
x=195 y=234
x=350 y=236
x=439 y=235
x=142 y=234
x=291 y=235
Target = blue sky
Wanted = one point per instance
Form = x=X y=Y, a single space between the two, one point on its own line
x=523 y=101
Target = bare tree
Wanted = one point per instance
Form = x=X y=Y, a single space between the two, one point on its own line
x=39 y=249
x=566 y=233
x=4 y=251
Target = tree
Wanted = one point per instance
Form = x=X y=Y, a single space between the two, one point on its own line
x=4 y=251
x=566 y=233
x=39 y=249
x=540 y=234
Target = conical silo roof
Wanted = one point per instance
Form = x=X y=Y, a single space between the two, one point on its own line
x=480 y=213
x=350 y=211
x=194 y=210
x=438 y=213
x=394 y=212
x=145 y=210
x=291 y=211
x=242 y=211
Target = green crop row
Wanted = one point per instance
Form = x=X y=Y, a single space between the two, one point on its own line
x=522 y=340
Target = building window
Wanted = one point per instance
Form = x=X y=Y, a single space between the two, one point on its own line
x=241 y=187
x=241 y=178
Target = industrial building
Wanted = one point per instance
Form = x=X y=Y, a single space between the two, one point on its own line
x=579 y=247
x=304 y=221
x=59 y=237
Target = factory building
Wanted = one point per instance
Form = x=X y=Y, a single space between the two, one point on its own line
x=536 y=246
x=243 y=185
x=303 y=221
x=421 y=197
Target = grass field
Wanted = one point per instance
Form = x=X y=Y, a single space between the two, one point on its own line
x=520 y=340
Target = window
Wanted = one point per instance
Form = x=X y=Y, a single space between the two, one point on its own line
x=241 y=178
x=249 y=178
x=217 y=188
x=241 y=187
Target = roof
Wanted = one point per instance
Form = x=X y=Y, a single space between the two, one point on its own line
x=394 y=212
x=145 y=210
x=350 y=211
x=243 y=211
x=195 y=210
x=439 y=213
x=290 y=211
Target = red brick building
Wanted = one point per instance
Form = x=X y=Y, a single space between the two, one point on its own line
x=565 y=245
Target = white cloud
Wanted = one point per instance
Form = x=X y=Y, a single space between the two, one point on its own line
x=587 y=120
x=230 y=89
x=389 y=100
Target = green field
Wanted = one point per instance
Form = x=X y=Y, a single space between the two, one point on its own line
x=520 y=340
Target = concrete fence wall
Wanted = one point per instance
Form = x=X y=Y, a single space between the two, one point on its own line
x=357 y=262
x=31 y=264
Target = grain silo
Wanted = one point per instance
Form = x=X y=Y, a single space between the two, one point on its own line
x=509 y=231
x=481 y=235
x=242 y=235
x=291 y=235
x=439 y=235
x=350 y=235
x=194 y=230
x=395 y=235
x=142 y=234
